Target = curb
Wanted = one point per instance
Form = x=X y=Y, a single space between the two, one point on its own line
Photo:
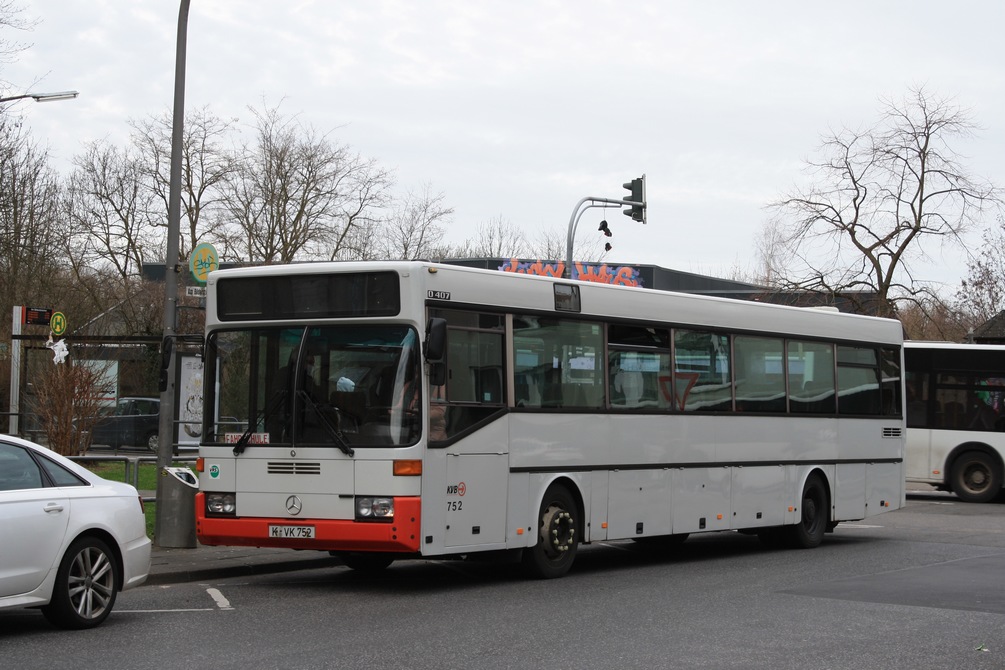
x=198 y=574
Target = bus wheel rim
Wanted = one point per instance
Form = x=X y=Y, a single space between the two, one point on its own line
x=558 y=532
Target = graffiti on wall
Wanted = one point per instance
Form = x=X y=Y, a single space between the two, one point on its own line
x=621 y=275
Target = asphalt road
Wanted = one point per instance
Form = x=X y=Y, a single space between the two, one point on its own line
x=919 y=588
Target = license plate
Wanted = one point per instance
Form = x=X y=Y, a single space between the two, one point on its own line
x=292 y=532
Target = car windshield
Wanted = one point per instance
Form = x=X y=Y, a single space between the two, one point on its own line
x=340 y=386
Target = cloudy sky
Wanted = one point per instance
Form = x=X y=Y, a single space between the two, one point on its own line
x=518 y=109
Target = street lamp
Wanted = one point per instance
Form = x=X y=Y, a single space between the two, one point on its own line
x=43 y=97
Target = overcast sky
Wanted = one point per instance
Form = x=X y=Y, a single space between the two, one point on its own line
x=518 y=109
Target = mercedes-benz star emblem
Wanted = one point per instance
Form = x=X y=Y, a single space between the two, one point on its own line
x=294 y=505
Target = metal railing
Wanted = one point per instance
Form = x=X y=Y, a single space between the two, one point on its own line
x=132 y=465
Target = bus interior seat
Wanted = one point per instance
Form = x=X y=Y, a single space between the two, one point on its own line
x=953 y=414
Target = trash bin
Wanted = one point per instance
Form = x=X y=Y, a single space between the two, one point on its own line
x=177 y=516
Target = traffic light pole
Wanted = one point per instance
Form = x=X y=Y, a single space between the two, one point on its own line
x=568 y=272
x=637 y=203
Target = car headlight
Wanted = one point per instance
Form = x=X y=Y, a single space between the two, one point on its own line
x=372 y=508
x=221 y=503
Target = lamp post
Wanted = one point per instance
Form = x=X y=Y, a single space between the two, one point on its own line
x=43 y=97
x=172 y=529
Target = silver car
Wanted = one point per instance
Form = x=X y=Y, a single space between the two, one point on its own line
x=71 y=540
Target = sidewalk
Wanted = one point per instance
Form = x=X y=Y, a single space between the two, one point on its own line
x=204 y=563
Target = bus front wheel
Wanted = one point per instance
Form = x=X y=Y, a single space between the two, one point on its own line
x=557 y=537
x=809 y=531
x=975 y=478
x=366 y=562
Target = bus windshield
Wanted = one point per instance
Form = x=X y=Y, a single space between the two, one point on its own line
x=339 y=386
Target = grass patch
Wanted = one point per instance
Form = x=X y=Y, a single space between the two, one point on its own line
x=116 y=472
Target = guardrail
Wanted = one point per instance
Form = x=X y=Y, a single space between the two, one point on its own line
x=131 y=464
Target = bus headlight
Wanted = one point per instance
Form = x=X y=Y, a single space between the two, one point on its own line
x=221 y=503
x=371 y=508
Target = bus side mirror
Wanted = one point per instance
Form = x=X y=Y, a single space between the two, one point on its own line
x=434 y=348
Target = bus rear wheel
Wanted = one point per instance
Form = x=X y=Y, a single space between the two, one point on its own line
x=975 y=478
x=809 y=532
x=557 y=537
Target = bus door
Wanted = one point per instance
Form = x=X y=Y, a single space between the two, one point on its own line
x=467 y=432
x=920 y=420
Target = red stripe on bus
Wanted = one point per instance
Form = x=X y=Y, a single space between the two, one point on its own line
x=401 y=536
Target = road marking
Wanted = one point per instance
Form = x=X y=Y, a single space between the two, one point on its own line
x=622 y=547
x=192 y=609
x=857 y=525
x=219 y=599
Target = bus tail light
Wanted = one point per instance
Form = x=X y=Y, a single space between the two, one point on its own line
x=200 y=464
x=373 y=508
x=218 y=504
x=407 y=468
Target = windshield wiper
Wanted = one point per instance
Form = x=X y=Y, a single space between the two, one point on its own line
x=263 y=415
x=334 y=430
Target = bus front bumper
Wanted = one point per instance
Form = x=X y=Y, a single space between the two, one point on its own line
x=401 y=535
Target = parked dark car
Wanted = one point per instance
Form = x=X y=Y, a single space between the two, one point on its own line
x=134 y=422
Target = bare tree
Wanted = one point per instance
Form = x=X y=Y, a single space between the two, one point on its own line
x=933 y=318
x=415 y=225
x=67 y=400
x=551 y=243
x=499 y=238
x=881 y=196
x=109 y=208
x=296 y=194
x=11 y=16
x=30 y=227
x=205 y=163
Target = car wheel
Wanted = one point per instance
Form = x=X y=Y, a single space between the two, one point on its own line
x=153 y=442
x=86 y=586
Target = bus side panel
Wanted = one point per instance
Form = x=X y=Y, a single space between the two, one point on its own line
x=599 y=506
x=476 y=499
x=918 y=456
x=639 y=503
x=885 y=486
x=701 y=499
x=756 y=492
x=519 y=516
x=849 y=491
x=464 y=492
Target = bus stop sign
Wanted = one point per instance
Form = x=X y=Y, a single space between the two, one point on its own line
x=57 y=324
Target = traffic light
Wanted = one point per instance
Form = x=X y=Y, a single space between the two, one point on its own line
x=638 y=194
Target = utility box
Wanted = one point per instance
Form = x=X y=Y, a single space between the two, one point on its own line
x=177 y=495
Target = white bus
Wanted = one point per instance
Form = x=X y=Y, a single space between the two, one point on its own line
x=956 y=417
x=389 y=410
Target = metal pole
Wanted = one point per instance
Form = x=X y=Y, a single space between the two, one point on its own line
x=17 y=317
x=170 y=529
x=567 y=273
x=574 y=220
